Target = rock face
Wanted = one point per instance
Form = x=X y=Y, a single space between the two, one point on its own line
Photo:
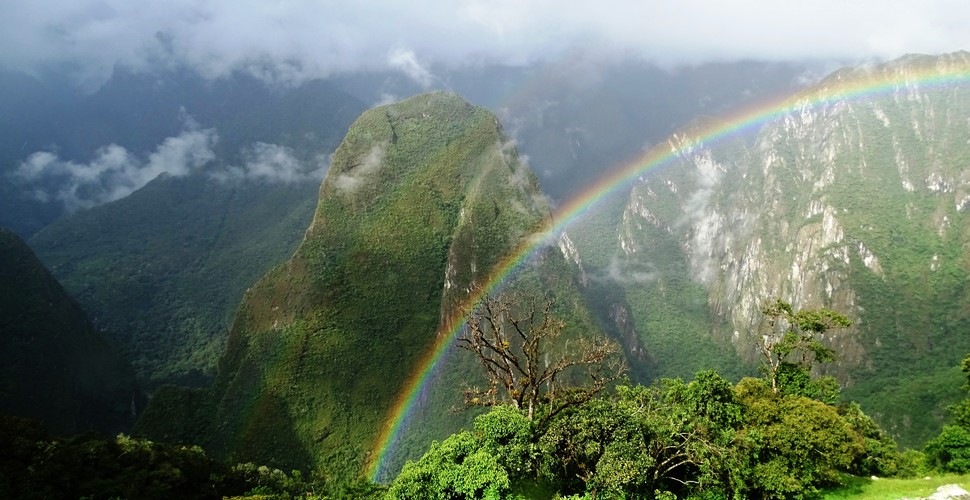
x=949 y=492
x=54 y=366
x=422 y=200
x=855 y=197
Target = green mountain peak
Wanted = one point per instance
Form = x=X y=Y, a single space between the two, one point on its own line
x=423 y=198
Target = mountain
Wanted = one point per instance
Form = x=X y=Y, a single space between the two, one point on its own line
x=165 y=264
x=854 y=195
x=579 y=115
x=423 y=199
x=239 y=165
x=54 y=365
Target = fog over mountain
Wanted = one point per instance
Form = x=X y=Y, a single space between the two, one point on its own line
x=293 y=40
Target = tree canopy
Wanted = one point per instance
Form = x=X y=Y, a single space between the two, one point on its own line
x=777 y=437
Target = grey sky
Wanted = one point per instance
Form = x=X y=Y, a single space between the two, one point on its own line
x=292 y=39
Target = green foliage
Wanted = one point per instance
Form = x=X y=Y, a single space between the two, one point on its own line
x=34 y=464
x=961 y=411
x=794 y=445
x=55 y=366
x=672 y=437
x=702 y=439
x=791 y=348
x=457 y=468
x=881 y=456
x=482 y=463
x=163 y=269
x=423 y=198
x=950 y=451
x=795 y=379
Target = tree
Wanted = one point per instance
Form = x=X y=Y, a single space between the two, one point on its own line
x=518 y=341
x=668 y=439
x=485 y=463
x=794 y=444
x=950 y=451
x=789 y=346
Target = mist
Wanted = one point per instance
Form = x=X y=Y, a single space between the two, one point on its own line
x=114 y=172
x=273 y=164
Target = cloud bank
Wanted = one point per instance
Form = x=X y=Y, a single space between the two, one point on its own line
x=273 y=164
x=288 y=40
x=114 y=172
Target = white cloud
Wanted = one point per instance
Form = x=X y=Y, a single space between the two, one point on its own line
x=349 y=181
x=406 y=61
x=274 y=164
x=292 y=39
x=114 y=172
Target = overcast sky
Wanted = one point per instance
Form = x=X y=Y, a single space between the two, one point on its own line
x=298 y=38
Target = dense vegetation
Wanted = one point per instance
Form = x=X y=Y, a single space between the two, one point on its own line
x=702 y=439
x=164 y=268
x=857 y=197
x=54 y=365
x=422 y=199
x=771 y=437
x=775 y=437
x=36 y=465
x=950 y=451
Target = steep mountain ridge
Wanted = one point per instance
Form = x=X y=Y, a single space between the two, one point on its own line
x=422 y=200
x=854 y=197
x=54 y=366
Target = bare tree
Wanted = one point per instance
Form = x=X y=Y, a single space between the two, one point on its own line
x=517 y=340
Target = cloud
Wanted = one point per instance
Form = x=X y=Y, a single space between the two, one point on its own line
x=406 y=61
x=288 y=40
x=114 y=172
x=349 y=181
x=274 y=164
x=628 y=271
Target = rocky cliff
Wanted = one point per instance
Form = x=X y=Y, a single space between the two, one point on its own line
x=852 y=195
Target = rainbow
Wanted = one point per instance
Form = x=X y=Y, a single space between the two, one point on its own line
x=839 y=87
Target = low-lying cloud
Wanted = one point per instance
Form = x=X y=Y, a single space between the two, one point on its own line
x=406 y=61
x=114 y=172
x=273 y=164
x=349 y=181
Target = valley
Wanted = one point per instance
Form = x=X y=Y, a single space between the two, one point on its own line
x=303 y=326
